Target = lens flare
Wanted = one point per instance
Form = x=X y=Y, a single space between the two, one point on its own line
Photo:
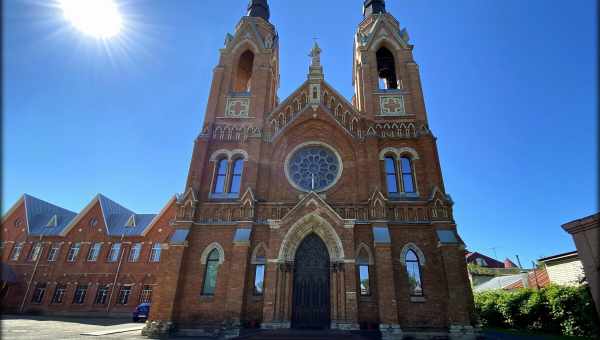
x=96 y=18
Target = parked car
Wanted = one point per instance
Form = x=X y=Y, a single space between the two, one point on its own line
x=141 y=312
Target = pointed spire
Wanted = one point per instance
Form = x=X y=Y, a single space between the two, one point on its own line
x=259 y=8
x=373 y=7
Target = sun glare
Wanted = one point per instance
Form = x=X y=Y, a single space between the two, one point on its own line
x=97 y=18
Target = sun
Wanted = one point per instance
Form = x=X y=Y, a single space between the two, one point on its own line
x=96 y=18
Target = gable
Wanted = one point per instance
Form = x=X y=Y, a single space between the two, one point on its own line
x=45 y=218
x=333 y=104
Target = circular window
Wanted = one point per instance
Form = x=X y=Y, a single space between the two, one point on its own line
x=93 y=222
x=18 y=223
x=313 y=168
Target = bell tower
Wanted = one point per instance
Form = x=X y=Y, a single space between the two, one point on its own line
x=245 y=81
x=386 y=78
x=243 y=90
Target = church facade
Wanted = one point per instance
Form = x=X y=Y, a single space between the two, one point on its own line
x=315 y=211
x=309 y=212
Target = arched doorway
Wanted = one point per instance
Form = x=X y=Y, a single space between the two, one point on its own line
x=310 y=304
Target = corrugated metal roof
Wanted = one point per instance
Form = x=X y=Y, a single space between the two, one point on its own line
x=40 y=213
x=116 y=217
x=500 y=282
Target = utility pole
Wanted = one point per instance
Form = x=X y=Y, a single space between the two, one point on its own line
x=37 y=261
x=519 y=261
x=112 y=288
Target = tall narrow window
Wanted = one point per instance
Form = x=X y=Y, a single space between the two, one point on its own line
x=363 y=272
x=155 y=252
x=59 y=293
x=115 y=251
x=124 y=293
x=259 y=260
x=244 y=72
x=101 y=295
x=236 y=176
x=80 y=293
x=221 y=177
x=210 y=273
x=390 y=175
x=38 y=293
x=53 y=252
x=73 y=252
x=94 y=252
x=35 y=252
x=146 y=294
x=16 y=251
x=386 y=69
x=134 y=253
x=407 y=175
x=413 y=268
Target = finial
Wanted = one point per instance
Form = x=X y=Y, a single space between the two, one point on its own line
x=315 y=53
x=259 y=8
x=373 y=7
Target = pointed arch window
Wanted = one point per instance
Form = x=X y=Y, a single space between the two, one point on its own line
x=210 y=273
x=413 y=269
x=244 y=72
x=386 y=69
x=259 y=260
x=221 y=177
x=363 y=262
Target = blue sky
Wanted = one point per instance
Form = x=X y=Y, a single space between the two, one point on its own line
x=510 y=88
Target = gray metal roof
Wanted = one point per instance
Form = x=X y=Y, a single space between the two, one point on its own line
x=40 y=213
x=500 y=282
x=117 y=217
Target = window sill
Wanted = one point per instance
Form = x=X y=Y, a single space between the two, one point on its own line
x=418 y=299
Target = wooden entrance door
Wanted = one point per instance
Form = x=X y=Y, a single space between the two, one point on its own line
x=311 y=285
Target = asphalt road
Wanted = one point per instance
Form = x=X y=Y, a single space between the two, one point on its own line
x=18 y=327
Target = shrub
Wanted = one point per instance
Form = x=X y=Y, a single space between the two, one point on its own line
x=553 y=309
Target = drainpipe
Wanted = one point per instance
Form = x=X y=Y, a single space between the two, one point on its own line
x=34 y=270
x=112 y=288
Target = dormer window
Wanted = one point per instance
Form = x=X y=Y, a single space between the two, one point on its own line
x=131 y=221
x=53 y=222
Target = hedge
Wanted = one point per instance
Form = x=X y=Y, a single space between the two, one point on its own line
x=553 y=309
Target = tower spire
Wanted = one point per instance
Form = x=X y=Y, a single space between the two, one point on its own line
x=373 y=7
x=259 y=8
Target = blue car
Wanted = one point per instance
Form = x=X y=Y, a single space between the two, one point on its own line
x=141 y=312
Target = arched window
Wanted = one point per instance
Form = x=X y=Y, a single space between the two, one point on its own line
x=413 y=268
x=210 y=273
x=259 y=259
x=244 y=72
x=390 y=175
x=363 y=262
x=386 y=69
x=220 y=176
x=236 y=176
x=407 y=175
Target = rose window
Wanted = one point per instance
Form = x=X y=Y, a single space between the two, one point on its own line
x=313 y=168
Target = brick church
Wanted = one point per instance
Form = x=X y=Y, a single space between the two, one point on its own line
x=309 y=212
